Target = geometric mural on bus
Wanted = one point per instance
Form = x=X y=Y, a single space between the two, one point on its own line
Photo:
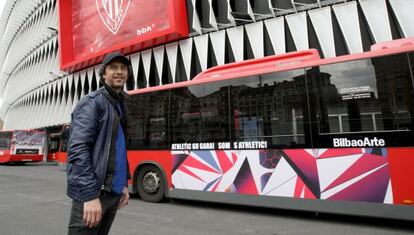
x=352 y=174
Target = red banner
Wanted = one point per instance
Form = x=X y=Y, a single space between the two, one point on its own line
x=88 y=29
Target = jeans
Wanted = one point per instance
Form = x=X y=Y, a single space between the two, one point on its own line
x=109 y=202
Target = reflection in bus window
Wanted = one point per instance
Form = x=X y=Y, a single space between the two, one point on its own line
x=214 y=113
x=395 y=92
x=270 y=107
x=185 y=115
x=200 y=113
x=147 y=121
x=244 y=109
x=368 y=95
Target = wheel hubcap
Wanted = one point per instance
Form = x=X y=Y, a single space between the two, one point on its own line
x=151 y=182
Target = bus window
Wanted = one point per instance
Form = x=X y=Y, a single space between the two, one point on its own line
x=5 y=140
x=411 y=64
x=286 y=109
x=214 y=112
x=64 y=147
x=53 y=144
x=395 y=92
x=147 y=120
x=64 y=138
x=271 y=107
x=245 y=114
x=200 y=113
x=364 y=97
x=185 y=116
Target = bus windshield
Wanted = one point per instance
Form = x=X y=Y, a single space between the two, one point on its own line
x=28 y=138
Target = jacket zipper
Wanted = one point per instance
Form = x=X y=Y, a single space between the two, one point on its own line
x=107 y=159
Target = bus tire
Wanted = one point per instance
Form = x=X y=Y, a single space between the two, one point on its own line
x=150 y=184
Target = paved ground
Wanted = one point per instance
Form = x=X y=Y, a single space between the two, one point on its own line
x=33 y=201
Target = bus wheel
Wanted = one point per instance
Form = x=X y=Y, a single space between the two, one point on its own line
x=150 y=184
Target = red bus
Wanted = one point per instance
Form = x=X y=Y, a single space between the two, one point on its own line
x=290 y=131
x=21 y=146
x=58 y=146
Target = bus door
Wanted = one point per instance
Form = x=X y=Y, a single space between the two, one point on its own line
x=53 y=148
x=5 y=145
x=61 y=154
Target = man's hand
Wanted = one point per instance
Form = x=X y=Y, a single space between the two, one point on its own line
x=92 y=213
x=124 y=198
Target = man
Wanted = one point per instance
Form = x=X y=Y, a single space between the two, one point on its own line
x=97 y=167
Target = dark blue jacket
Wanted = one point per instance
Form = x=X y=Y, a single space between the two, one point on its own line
x=91 y=144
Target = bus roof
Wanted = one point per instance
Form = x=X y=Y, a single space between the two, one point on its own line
x=288 y=61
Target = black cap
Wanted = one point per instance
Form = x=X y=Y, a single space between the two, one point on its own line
x=110 y=57
x=115 y=55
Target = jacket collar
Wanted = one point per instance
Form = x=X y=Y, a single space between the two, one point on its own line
x=112 y=95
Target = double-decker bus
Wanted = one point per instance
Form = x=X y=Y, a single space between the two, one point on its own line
x=21 y=146
x=290 y=131
x=58 y=146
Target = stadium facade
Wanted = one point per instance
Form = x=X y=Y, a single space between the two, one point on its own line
x=38 y=92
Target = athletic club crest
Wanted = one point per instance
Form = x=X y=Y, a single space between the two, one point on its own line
x=112 y=13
